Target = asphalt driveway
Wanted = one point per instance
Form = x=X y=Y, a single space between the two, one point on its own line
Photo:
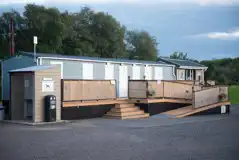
x=214 y=137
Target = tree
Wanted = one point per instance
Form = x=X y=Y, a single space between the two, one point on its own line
x=141 y=46
x=179 y=55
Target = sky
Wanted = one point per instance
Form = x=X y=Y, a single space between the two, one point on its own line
x=204 y=29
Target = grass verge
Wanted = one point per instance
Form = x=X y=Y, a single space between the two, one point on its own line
x=234 y=94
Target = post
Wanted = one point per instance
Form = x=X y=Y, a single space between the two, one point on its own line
x=35 y=43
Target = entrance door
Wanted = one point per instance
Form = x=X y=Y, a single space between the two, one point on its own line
x=123 y=81
x=136 y=72
x=109 y=71
x=158 y=73
x=148 y=72
x=87 y=71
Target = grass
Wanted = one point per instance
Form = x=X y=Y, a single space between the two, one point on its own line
x=234 y=94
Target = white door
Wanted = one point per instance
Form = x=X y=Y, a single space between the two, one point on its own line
x=87 y=71
x=148 y=72
x=136 y=72
x=58 y=63
x=123 y=81
x=158 y=73
x=109 y=71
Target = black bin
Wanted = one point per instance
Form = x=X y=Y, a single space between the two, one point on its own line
x=50 y=108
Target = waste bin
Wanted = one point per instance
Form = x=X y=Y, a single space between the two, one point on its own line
x=50 y=108
x=1 y=113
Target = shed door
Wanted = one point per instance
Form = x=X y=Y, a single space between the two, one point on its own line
x=158 y=73
x=87 y=70
x=136 y=72
x=148 y=72
x=123 y=81
x=109 y=71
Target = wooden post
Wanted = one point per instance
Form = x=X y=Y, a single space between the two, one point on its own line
x=163 y=89
x=128 y=86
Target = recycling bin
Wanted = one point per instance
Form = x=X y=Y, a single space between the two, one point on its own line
x=50 y=108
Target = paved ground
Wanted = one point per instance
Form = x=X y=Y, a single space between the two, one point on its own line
x=214 y=137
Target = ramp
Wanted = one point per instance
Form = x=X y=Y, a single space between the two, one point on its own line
x=188 y=111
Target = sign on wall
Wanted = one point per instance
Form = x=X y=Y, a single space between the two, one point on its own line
x=47 y=86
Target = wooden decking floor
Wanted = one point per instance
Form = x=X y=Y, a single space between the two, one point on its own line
x=123 y=101
x=188 y=111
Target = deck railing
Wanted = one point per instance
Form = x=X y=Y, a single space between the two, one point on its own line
x=85 y=90
x=139 y=89
x=208 y=96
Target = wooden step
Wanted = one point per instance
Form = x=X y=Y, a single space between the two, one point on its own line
x=145 y=115
x=125 y=113
x=131 y=109
x=124 y=105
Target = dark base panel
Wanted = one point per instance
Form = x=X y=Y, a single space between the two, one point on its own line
x=73 y=113
x=6 y=104
x=156 y=108
x=216 y=110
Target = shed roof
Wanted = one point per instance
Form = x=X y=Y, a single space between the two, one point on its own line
x=60 y=56
x=32 y=69
x=179 y=62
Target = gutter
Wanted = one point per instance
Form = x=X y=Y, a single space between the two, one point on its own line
x=102 y=61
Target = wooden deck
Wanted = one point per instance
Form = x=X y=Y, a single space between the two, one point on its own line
x=188 y=111
x=163 y=100
x=123 y=101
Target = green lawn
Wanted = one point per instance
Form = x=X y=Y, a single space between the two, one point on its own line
x=234 y=94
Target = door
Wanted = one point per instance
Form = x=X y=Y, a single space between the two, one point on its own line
x=87 y=71
x=148 y=72
x=109 y=71
x=136 y=72
x=123 y=81
x=158 y=73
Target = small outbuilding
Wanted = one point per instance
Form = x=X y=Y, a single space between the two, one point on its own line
x=29 y=86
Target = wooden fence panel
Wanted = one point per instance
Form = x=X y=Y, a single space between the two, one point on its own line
x=83 y=90
x=224 y=89
x=157 y=86
x=177 y=90
x=206 y=97
x=137 y=89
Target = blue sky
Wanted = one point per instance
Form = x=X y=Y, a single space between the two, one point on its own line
x=205 y=29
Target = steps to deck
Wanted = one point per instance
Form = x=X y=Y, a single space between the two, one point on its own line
x=126 y=111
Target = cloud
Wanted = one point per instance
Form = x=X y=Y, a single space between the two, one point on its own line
x=230 y=35
x=217 y=2
x=200 y=2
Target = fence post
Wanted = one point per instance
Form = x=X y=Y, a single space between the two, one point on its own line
x=163 y=89
x=128 y=86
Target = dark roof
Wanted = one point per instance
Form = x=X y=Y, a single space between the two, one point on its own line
x=55 y=55
x=31 y=69
x=179 y=62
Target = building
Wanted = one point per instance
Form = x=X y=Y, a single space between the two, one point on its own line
x=78 y=67
x=186 y=69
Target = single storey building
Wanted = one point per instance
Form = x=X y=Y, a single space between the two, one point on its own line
x=187 y=69
x=90 y=68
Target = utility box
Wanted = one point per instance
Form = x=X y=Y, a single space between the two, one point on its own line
x=50 y=108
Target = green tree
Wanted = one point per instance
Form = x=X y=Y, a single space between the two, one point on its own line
x=141 y=45
x=179 y=55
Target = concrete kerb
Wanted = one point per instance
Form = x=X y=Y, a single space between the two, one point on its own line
x=34 y=124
